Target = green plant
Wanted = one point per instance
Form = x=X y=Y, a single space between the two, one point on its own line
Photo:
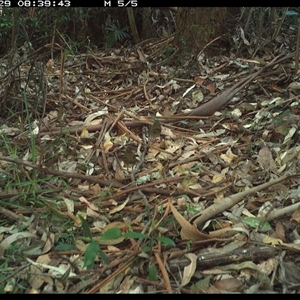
x=291 y=17
x=151 y=240
x=72 y=46
x=152 y=273
x=115 y=34
x=8 y=284
x=93 y=249
x=6 y=22
x=11 y=174
x=3 y=267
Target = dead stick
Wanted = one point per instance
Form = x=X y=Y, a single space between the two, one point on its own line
x=230 y=201
x=222 y=99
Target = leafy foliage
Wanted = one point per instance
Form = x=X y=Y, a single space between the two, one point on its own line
x=115 y=34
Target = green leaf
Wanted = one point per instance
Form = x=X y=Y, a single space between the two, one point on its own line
x=135 y=235
x=90 y=254
x=152 y=276
x=166 y=241
x=103 y=257
x=146 y=249
x=65 y=247
x=202 y=285
x=257 y=223
x=85 y=227
x=111 y=234
x=291 y=13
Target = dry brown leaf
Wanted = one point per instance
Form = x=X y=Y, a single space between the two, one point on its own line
x=289 y=135
x=126 y=284
x=189 y=270
x=91 y=213
x=37 y=279
x=199 y=80
x=229 y=156
x=211 y=87
x=229 y=285
x=265 y=159
x=294 y=86
x=296 y=216
x=119 y=207
x=49 y=243
x=279 y=231
x=188 y=231
x=55 y=271
x=289 y=155
x=119 y=173
x=88 y=203
x=85 y=136
x=289 y=272
x=69 y=204
x=218 y=177
x=107 y=143
x=13 y=238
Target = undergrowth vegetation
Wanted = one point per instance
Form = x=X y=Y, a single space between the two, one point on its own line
x=110 y=179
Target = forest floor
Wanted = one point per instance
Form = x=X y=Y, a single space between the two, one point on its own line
x=113 y=189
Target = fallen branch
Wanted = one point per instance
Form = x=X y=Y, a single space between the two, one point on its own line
x=228 y=202
x=215 y=104
x=221 y=257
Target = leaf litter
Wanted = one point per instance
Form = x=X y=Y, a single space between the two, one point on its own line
x=117 y=189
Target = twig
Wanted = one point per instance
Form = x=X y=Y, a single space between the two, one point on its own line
x=138 y=166
x=164 y=273
x=282 y=211
x=100 y=284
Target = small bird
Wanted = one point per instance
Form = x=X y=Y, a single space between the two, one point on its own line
x=129 y=156
x=154 y=130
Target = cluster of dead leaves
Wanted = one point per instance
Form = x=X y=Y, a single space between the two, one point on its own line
x=229 y=181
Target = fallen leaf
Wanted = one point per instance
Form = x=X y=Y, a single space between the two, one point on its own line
x=265 y=159
x=211 y=87
x=107 y=143
x=188 y=231
x=189 y=270
x=229 y=285
x=229 y=156
x=85 y=136
x=296 y=216
x=12 y=238
x=119 y=207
